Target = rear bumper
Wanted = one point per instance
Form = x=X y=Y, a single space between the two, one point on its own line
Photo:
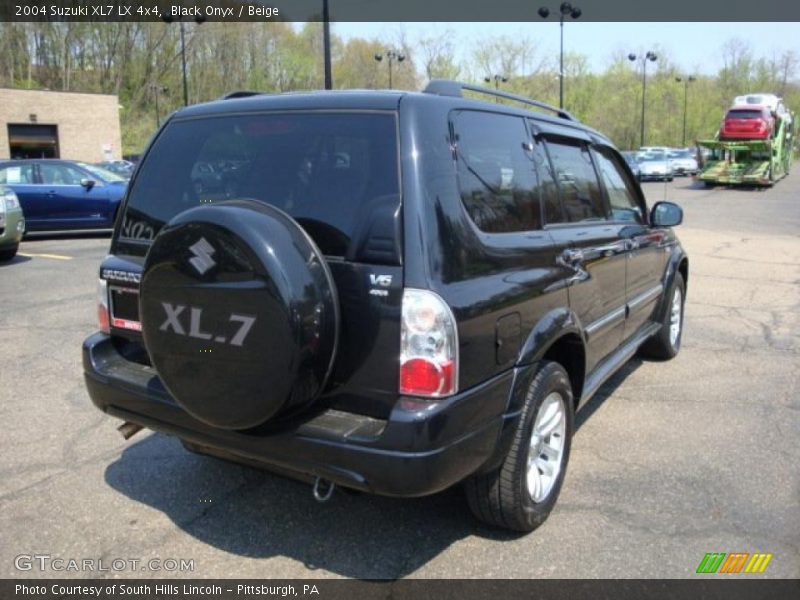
x=422 y=448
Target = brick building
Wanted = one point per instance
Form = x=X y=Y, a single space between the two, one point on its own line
x=74 y=126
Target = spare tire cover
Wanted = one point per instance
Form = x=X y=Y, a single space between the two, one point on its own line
x=239 y=313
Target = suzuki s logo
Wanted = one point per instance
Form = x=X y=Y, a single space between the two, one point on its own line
x=203 y=251
x=174 y=323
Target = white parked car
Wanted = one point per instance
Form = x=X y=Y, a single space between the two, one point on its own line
x=655 y=166
x=682 y=161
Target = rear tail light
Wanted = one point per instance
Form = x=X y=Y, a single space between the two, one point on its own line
x=428 y=346
x=102 y=306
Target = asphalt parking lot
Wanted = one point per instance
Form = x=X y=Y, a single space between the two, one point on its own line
x=670 y=460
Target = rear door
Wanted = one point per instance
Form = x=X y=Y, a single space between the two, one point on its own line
x=590 y=248
x=21 y=177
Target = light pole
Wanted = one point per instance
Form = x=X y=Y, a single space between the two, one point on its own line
x=565 y=10
x=199 y=21
x=391 y=56
x=651 y=56
x=326 y=44
x=686 y=83
x=158 y=89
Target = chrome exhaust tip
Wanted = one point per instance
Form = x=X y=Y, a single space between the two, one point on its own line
x=128 y=429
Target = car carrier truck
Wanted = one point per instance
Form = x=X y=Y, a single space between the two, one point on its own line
x=751 y=161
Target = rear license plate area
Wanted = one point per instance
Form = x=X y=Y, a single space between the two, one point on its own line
x=125 y=308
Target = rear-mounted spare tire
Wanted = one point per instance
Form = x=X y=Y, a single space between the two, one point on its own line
x=239 y=313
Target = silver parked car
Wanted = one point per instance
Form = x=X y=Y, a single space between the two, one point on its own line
x=683 y=161
x=655 y=166
x=12 y=223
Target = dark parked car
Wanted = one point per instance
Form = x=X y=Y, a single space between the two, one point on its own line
x=123 y=168
x=399 y=291
x=63 y=194
x=633 y=162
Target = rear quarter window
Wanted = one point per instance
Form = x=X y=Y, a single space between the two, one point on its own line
x=330 y=171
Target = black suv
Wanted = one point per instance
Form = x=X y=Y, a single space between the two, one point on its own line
x=393 y=292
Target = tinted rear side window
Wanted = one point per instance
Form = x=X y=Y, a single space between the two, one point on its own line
x=496 y=176
x=330 y=171
x=577 y=181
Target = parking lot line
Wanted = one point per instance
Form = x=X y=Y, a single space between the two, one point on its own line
x=53 y=256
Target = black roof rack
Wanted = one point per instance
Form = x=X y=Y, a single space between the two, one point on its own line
x=240 y=94
x=446 y=87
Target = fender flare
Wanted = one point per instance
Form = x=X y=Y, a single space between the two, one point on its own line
x=554 y=326
x=678 y=261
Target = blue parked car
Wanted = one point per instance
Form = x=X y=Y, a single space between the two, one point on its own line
x=64 y=194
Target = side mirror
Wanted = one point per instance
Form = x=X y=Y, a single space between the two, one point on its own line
x=666 y=214
x=87 y=183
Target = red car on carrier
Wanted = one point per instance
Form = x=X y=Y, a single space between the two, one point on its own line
x=747 y=123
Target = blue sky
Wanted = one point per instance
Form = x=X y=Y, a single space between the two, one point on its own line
x=694 y=47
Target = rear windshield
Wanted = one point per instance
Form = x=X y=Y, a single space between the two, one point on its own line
x=325 y=169
x=744 y=114
x=653 y=156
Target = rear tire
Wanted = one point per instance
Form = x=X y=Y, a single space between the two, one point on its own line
x=665 y=344
x=522 y=491
x=9 y=253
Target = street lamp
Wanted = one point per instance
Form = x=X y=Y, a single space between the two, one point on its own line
x=651 y=56
x=391 y=56
x=199 y=20
x=497 y=79
x=158 y=89
x=686 y=83
x=565 y=10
